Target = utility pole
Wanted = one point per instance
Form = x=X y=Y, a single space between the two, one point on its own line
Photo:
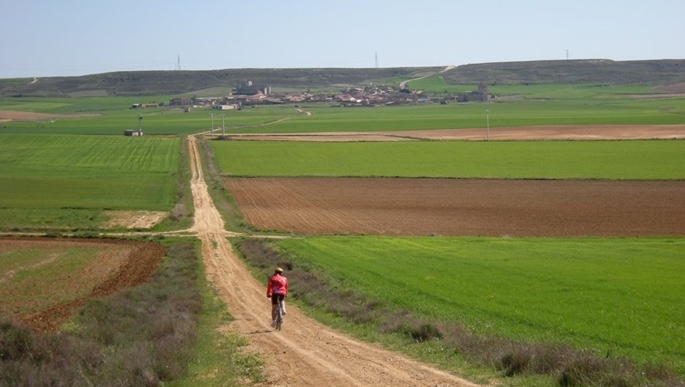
x=487 y=124
x=223 y=125
x=211 y=129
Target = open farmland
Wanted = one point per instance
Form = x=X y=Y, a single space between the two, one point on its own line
x=598 y=195
x=43 y=280
x=534 y=201
x=112 y=115
x=543 y=132
x=462 y=207
x=54 y=182
x=658 y=161
x=515 y=113
x=611 y=160
x=515 y=105
x=607 y=295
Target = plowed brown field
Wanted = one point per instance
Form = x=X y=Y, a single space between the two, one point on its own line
x=468 y=207
x=462 y=206
x=14 y=115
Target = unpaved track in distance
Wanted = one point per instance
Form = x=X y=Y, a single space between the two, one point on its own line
x=544 y=132
x=304 y=353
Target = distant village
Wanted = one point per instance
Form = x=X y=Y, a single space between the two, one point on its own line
x=248 y=94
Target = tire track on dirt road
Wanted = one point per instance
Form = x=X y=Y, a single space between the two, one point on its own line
x=305 y=352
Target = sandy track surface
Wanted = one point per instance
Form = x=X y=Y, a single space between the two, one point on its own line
x=304 y=353
x=133 y=219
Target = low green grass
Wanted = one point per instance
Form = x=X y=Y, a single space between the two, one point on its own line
x=621 y=297
x=573 y=111
x=113 y=115
x=573 y=91
x=51 y=180
x=648 y=160
x=530 y=105
x=218 y=357
x=15 y=80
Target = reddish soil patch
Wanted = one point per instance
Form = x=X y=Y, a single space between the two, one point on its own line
x=462 y=206
x=677 y=88
x=122 y=264
x=549 y=132
x=11 y=115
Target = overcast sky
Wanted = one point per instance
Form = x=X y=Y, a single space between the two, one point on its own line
x=77 y=37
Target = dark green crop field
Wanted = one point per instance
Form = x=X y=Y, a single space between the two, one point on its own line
x=613 y=160
x=622 y=296
x=49 y=180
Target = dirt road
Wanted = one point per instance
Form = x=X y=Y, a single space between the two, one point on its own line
x=545 y=132
x=304 y=353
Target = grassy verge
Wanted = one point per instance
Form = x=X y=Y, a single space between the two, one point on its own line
x=181 y=215
x=216 y=358
x=143 y=335
x=454 y=344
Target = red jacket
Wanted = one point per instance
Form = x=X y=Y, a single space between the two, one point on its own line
x=277 y=284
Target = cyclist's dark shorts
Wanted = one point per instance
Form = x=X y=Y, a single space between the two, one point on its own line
x=275 y=298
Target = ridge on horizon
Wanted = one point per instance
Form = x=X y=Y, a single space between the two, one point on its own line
x=583 y=60
x=156 y=82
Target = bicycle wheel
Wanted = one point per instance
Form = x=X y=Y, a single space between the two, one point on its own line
x=279 y=318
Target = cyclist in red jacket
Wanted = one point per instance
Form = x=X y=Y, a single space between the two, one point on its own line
x=277 y=290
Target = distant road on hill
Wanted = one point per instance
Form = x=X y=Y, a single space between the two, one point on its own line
x=403 y=84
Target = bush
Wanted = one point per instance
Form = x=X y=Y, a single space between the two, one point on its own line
x=425 y=332
x=140 y=336
x=179 y=212
x=15 y=342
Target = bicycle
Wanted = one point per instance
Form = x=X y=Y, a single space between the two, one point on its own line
x=279 y=316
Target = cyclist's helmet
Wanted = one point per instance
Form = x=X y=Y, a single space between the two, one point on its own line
x=279 y=270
